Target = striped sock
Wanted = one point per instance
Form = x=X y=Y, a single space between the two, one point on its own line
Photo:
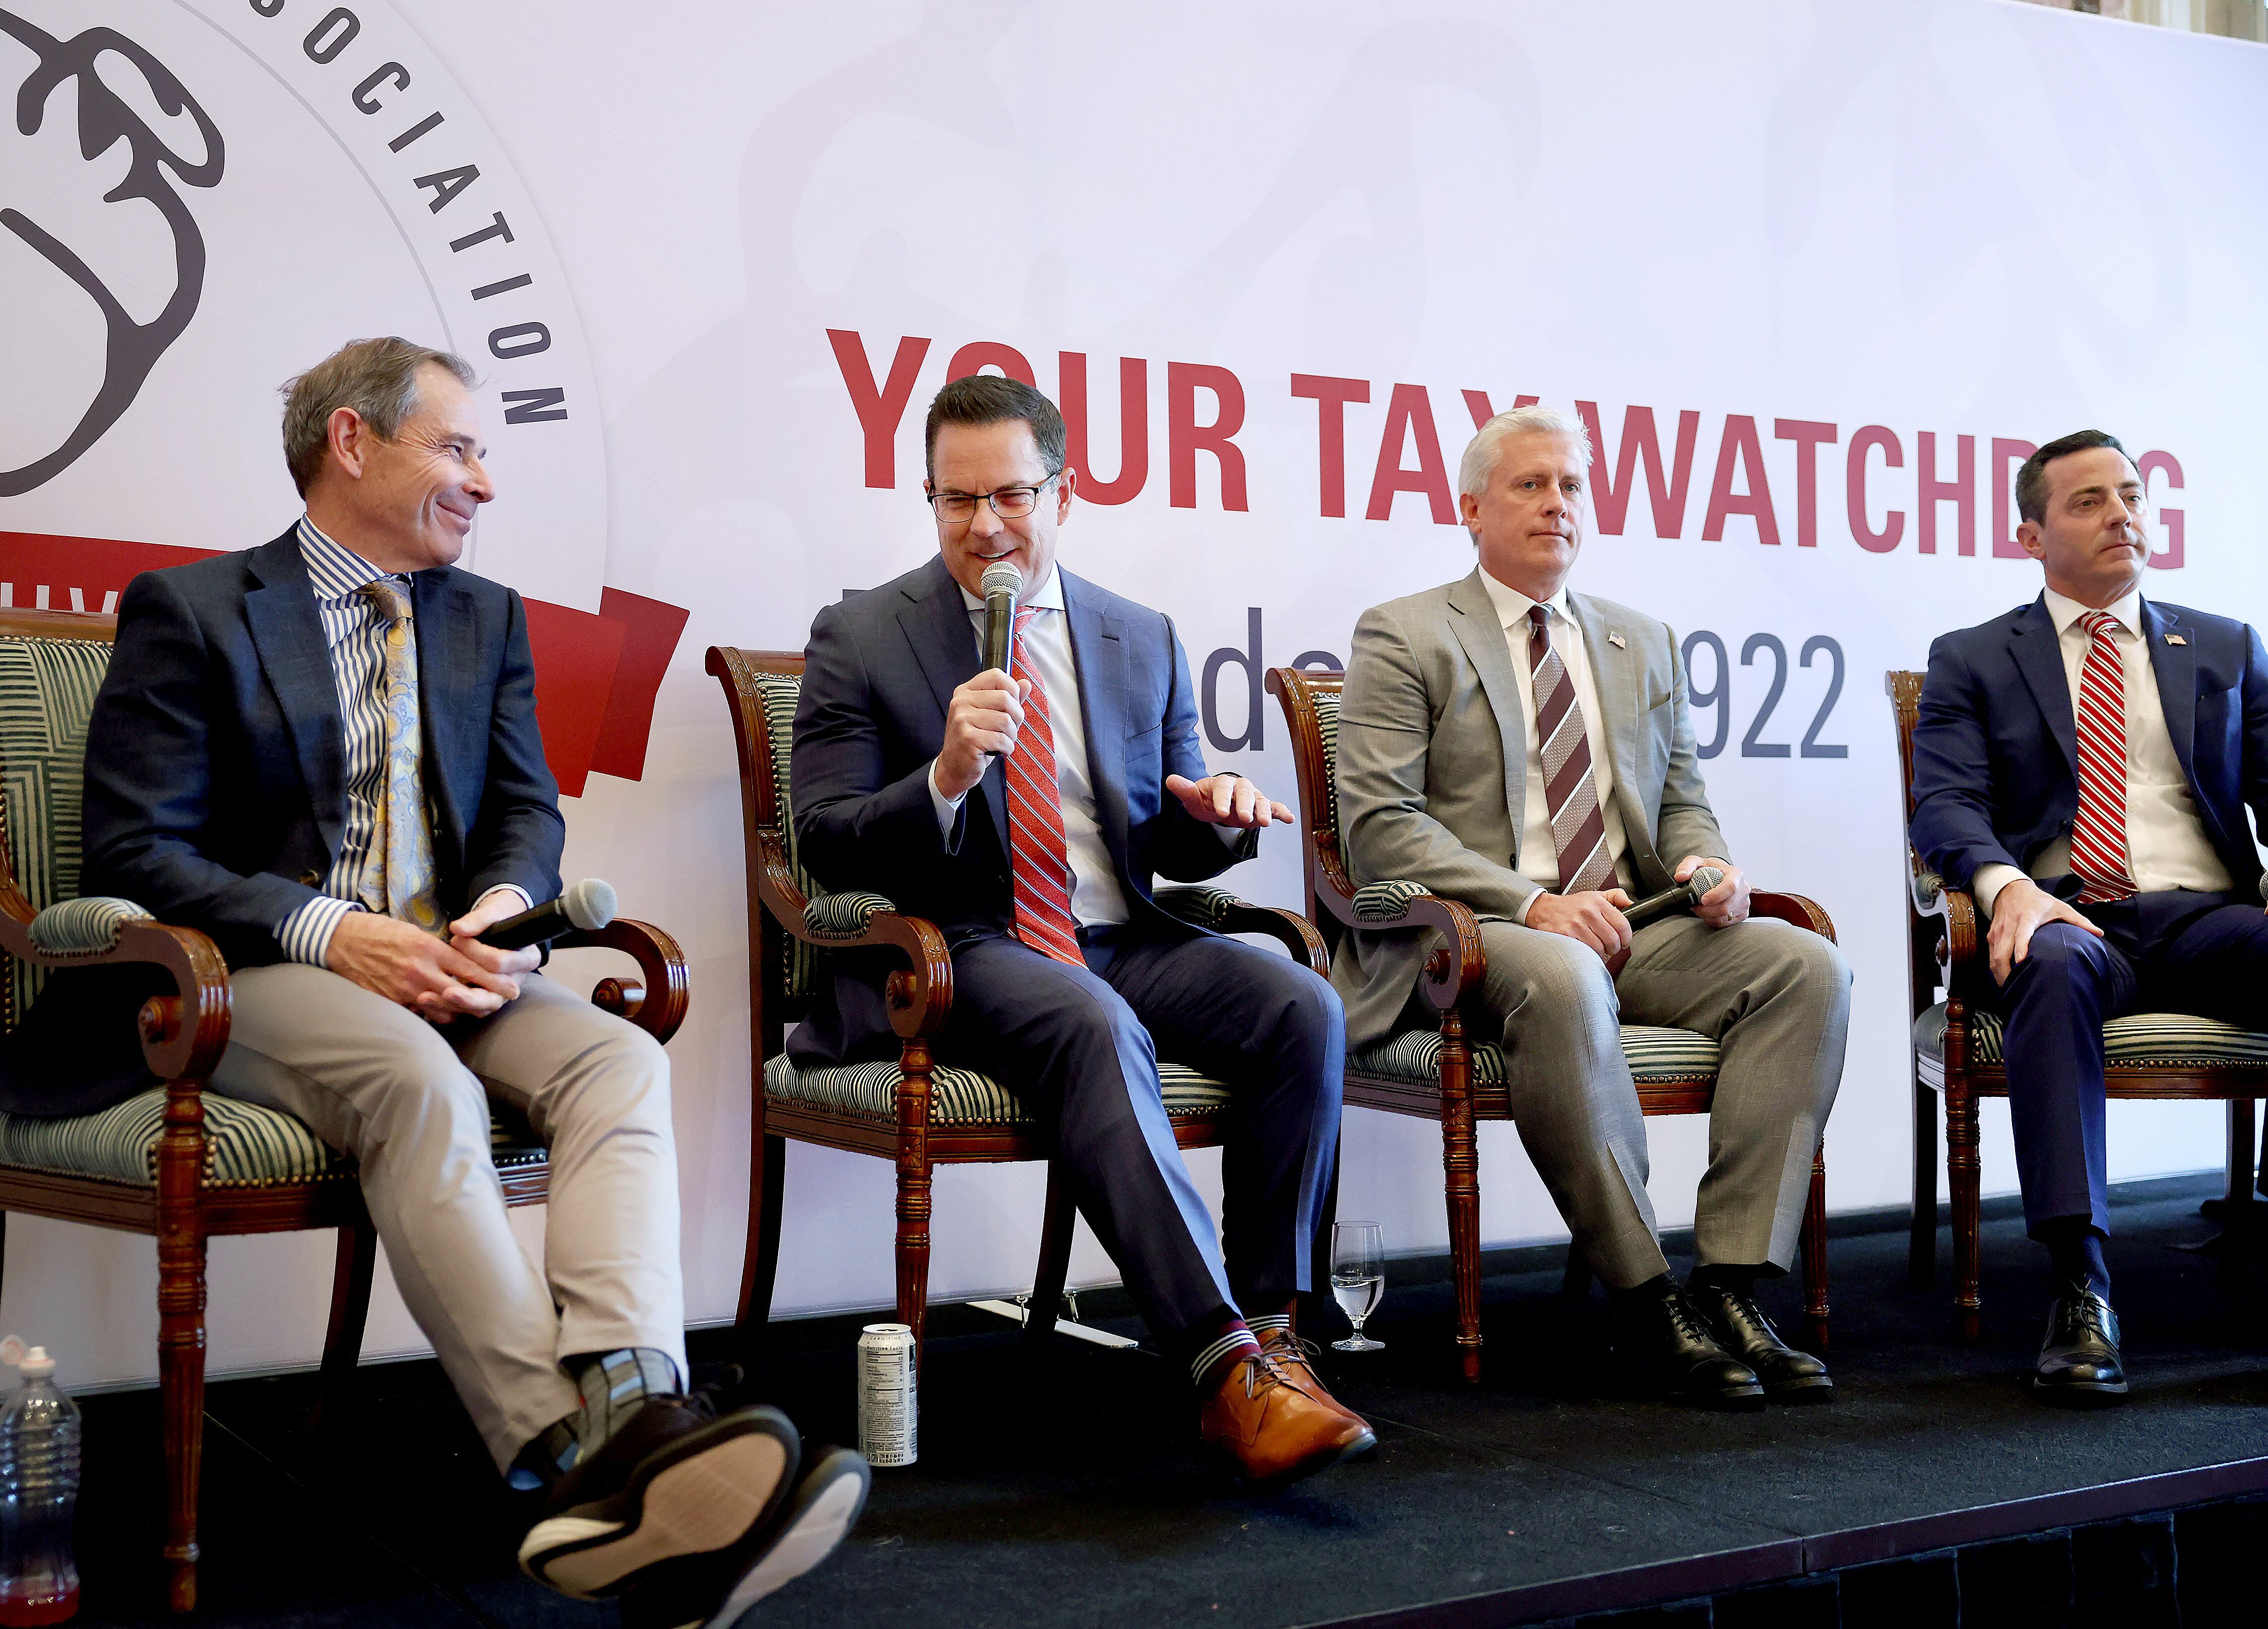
x=1232 y=1344
x=616 y=1385
x=1267 y=1321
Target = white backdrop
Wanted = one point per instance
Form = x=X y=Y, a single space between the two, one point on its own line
x=1771 y=226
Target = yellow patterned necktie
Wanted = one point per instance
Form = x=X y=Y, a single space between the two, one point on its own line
x=397 y=875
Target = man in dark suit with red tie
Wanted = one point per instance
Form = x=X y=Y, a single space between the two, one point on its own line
x=2083 y=764
x=1026 y=817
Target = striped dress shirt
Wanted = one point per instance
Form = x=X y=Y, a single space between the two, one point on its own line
x=356 y=636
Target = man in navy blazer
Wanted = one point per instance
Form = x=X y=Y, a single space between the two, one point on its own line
x=323 y=753
x=1026 y=817
x=2083 y=764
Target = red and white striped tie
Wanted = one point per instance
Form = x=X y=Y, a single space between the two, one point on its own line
x=1038 y=857
x=2098 y=836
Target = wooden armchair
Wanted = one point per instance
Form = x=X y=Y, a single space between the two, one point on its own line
x=1957 y=1051
x=174 y=1162
x=1441 y=1075
x=915 y=1111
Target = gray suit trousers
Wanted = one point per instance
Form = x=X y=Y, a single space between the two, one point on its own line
x=411 y=1104
x=1777 y=1001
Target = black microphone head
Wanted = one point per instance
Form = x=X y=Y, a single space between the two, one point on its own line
x=1002 y=576
x=589 y=903
x=1704 y=879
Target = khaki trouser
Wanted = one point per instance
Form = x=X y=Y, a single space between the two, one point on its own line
x=410 y=1103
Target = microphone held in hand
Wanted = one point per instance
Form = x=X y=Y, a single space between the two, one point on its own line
x=1684 y=897
x=1002 y=582
x=587 y=907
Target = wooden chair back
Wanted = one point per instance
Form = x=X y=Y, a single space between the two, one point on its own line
x=1311 y=711
x=762 y=687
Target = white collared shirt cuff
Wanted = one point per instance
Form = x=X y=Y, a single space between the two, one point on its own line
x=514 y=889
x=306 y=934
x=1520 y=912
x=1988 y=881
x=948 y=809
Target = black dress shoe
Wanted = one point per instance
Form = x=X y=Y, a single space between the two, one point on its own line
x=675 y=1489
x=1741 y=1328
x=1668 y=1343
x=2079 y=1365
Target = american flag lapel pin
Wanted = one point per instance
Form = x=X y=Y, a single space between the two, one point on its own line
x=2176 y=639
x=1615 y=639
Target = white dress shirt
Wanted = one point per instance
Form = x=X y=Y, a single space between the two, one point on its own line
x=355 y=635
x=1096 y=900
x=2166 y=846
x=1539 y=855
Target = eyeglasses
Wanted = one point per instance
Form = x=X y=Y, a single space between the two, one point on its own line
x=1009 y=502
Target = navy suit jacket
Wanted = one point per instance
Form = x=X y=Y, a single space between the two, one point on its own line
x=215 y=794
x=879 y=676
x=1996 y=749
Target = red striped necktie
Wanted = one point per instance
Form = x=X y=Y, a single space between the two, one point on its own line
x=1571 y=794
x=1038 y=856
x=2098 y=836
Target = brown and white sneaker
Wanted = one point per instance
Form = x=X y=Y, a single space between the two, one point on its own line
x=1275 y=1429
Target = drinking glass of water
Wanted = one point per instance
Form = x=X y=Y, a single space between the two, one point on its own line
x=1358 y=1278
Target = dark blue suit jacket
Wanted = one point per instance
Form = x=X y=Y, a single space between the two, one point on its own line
x=216 y=796
x=1996 y=751
x=879 y=676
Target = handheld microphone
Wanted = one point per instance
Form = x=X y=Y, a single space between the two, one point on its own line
x=1002 y=582
x=588 y=906
x=1684 y=897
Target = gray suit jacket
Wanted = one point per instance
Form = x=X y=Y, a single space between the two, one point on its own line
x=1433 y=766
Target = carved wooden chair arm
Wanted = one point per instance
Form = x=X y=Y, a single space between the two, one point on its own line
x=1223 y=911
x=183 y=1034
x=1793 y=908
x=1959 y=945
x=1453 y=971
x=657 y=1000
x=920 y=995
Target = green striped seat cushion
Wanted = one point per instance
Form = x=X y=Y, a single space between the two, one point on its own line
x=246 y=1145
x=2165 y=1040
x=46 y=692
x=957 y=1096
x=1655 y=1054
x=1326 y=726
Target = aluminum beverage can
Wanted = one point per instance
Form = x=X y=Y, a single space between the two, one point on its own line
x=888 y=1400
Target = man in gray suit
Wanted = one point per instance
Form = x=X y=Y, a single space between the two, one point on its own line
x=1528 y=752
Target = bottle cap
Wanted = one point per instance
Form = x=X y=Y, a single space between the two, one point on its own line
x=37 y=1365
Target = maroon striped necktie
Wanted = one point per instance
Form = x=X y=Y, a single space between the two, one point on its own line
x=1038 y=857
x=2098 y=836
x=1579 y=830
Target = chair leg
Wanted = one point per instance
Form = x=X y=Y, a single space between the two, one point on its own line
x=182 y=1395
x=1461 y=1167
x=2239 y=1190
x=1814 y=1251
x=1061 y=1221
x=1965 y=1177
x=760 y=1257
x=358 y=1261
x=913 y=1252
x=1921 y=1238
x=1575 y=1282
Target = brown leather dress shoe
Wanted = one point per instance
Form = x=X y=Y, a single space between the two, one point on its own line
x=1273 y=1428
x=1296 y=1358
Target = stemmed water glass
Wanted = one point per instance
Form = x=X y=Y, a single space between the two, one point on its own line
x=1358 y=1278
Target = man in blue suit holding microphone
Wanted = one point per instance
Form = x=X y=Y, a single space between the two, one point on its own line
x=2083 y=764
x=1027 y=816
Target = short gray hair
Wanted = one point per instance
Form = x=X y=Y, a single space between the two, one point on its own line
x=378 y=378
x=1487 y=445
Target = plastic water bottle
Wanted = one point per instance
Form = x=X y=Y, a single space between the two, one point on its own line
x=39 y=1491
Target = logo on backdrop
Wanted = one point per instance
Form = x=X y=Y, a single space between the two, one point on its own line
x=204 y=197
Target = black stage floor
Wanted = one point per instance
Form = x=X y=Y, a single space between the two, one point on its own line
x=1069 y=1492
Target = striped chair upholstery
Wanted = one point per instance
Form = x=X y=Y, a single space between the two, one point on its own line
x=47 y=693
x=2147 y=1040
x=1655 y=1054
x=959 y=1097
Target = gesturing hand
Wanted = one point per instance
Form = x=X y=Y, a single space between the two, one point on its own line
x=408 y=966
x=986 y=714
x=2020 y=909
x=1226 y=800
x=1593 y=917
x=1725 y=904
